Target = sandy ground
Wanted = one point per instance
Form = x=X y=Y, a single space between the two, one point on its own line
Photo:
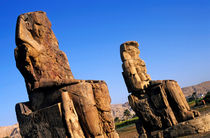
x=128 y=132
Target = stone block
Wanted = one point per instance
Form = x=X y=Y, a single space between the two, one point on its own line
x=43 y=123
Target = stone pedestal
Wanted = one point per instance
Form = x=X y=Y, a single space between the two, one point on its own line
x=195 y=126
x=43 y=123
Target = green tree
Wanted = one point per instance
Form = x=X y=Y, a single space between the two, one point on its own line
x=194 y=96
x=127 y=113
x=116 y=119
x=207 y=97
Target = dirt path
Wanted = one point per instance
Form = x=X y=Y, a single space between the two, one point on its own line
x=128 y=132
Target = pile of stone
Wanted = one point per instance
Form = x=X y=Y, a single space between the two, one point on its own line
x=59 y=105
x=160 y=105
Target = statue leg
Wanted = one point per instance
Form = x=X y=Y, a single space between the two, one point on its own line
x=140 y=129
x=70 y=114
x=141 y=105
x=92 y=103
x=178 y=101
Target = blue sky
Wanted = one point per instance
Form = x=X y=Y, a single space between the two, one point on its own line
x=174 y=38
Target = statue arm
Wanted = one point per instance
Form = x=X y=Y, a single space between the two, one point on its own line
x=47 y=83
x=132 y=76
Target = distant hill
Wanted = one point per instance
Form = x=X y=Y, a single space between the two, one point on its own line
x=118 y=110
x=201 y=88
x=10 y=131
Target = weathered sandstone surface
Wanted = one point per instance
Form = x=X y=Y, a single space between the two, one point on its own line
x=59 y=105
x=190 y=127
x=159 y=104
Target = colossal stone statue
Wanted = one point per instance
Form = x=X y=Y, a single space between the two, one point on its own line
x=39 y=59
x=158 y=104
x=134 y=69
x=59 y=105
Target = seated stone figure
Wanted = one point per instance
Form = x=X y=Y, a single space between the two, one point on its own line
x=134 y=70
x=59 y=105
x=159 y=104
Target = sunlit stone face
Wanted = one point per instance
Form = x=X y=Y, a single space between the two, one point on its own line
x=129 y=50
x=37 y=53
x=133 y=51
